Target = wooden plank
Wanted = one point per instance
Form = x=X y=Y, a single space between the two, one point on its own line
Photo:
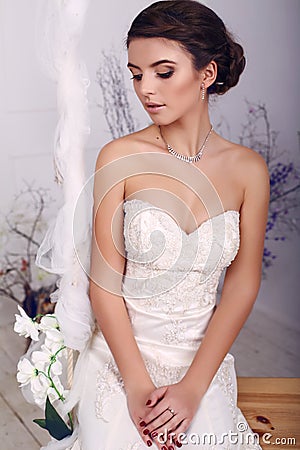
x=12 y=347
x=11 y=394
x=13 y=434
x=13 y=344
x=25 y=412
x=272 y=408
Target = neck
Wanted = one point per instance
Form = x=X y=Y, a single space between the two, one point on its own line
x=187 y=135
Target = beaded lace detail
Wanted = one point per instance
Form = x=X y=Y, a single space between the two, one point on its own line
x=109 y=383
x=172 y=274
x=225 y=380
x=175 y=332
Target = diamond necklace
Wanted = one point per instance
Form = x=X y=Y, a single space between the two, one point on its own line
x=185 y=158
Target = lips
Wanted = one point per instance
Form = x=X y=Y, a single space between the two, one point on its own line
x=154 y=107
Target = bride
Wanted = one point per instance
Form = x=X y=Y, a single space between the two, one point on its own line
x=174 y=205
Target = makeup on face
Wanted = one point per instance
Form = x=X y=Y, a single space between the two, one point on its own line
x=164 y=78
x=164 y=73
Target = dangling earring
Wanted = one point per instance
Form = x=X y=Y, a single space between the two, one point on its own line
x=203 y=91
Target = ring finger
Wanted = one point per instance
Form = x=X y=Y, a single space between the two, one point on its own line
x=159 y=421
x=165 y=432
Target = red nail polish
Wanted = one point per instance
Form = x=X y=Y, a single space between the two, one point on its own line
x=142 y=423
x=164 y=447
x=154 y=434
x=178 y=444
x=146 y=431
x=149 y=443
x=171 y=447
x=148 y=403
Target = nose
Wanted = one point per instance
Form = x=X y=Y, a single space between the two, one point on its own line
x=147 y=85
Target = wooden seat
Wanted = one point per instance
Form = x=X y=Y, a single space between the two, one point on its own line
x=272 y=409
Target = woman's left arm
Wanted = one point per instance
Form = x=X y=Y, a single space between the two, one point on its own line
x=240 y=289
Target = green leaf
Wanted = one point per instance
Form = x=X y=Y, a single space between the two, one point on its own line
x=54 y=422
x=40 y=422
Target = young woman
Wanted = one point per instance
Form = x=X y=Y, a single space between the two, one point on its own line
x=175 y=204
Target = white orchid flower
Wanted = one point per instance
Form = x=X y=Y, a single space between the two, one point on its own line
x=39 y=383
x=43 y=368
x=25 y=326
x=26 y=372
x=53 y=347
x=48 y=323
x=40 y=386
x=53 y=338
x=43 y=359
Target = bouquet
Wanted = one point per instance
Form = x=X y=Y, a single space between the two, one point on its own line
x=41 y=370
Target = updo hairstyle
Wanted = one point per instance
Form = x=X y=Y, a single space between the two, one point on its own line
x=199 y=31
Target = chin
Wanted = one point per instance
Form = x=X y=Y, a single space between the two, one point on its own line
x=160 y=121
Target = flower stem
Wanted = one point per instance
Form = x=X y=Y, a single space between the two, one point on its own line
x=71 y=420
x=60 y=396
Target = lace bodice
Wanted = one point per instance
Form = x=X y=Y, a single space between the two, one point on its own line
x=161 y=256
x=171 y=276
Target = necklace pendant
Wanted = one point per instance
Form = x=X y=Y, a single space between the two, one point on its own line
x=188 y=159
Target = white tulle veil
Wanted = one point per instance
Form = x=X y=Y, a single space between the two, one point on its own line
x=59 y=28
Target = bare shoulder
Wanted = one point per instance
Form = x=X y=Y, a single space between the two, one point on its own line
x=130 y=144
x=248 y=165
x=251 y=166
x=252 y=175
x=246 y=168
x=250 y=159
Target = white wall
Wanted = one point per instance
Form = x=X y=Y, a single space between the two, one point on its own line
x=269 y=32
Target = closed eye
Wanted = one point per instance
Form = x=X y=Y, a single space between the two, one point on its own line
x=166 y=74
x=137 y=77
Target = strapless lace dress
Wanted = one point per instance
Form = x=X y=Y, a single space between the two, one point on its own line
x=170 y=288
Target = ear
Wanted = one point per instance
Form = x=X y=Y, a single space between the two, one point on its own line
x=209 y=74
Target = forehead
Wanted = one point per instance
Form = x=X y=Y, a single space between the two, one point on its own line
x=145 y=51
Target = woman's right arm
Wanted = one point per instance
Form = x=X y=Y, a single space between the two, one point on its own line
x=106 y=272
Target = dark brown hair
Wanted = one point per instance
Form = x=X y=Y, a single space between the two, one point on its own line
x=199 y=31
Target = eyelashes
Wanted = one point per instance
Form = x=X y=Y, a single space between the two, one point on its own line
x=136 y=77
x=166 y=74
x=163 y=75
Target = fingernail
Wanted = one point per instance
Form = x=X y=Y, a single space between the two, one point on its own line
x=149 y=443
x=148 y=403
x=154 y=434
x=178 y=444
x=164 y=447
x=142 y=423
x=171 y=447
x=146 y=431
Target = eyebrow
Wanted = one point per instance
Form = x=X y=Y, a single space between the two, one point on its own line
x=157 y=63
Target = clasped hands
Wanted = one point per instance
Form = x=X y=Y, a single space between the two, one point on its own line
x=162 y=414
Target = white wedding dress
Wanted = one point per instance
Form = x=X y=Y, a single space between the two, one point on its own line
x=170 y=288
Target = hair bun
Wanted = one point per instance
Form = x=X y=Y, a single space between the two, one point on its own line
x=231 y=64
